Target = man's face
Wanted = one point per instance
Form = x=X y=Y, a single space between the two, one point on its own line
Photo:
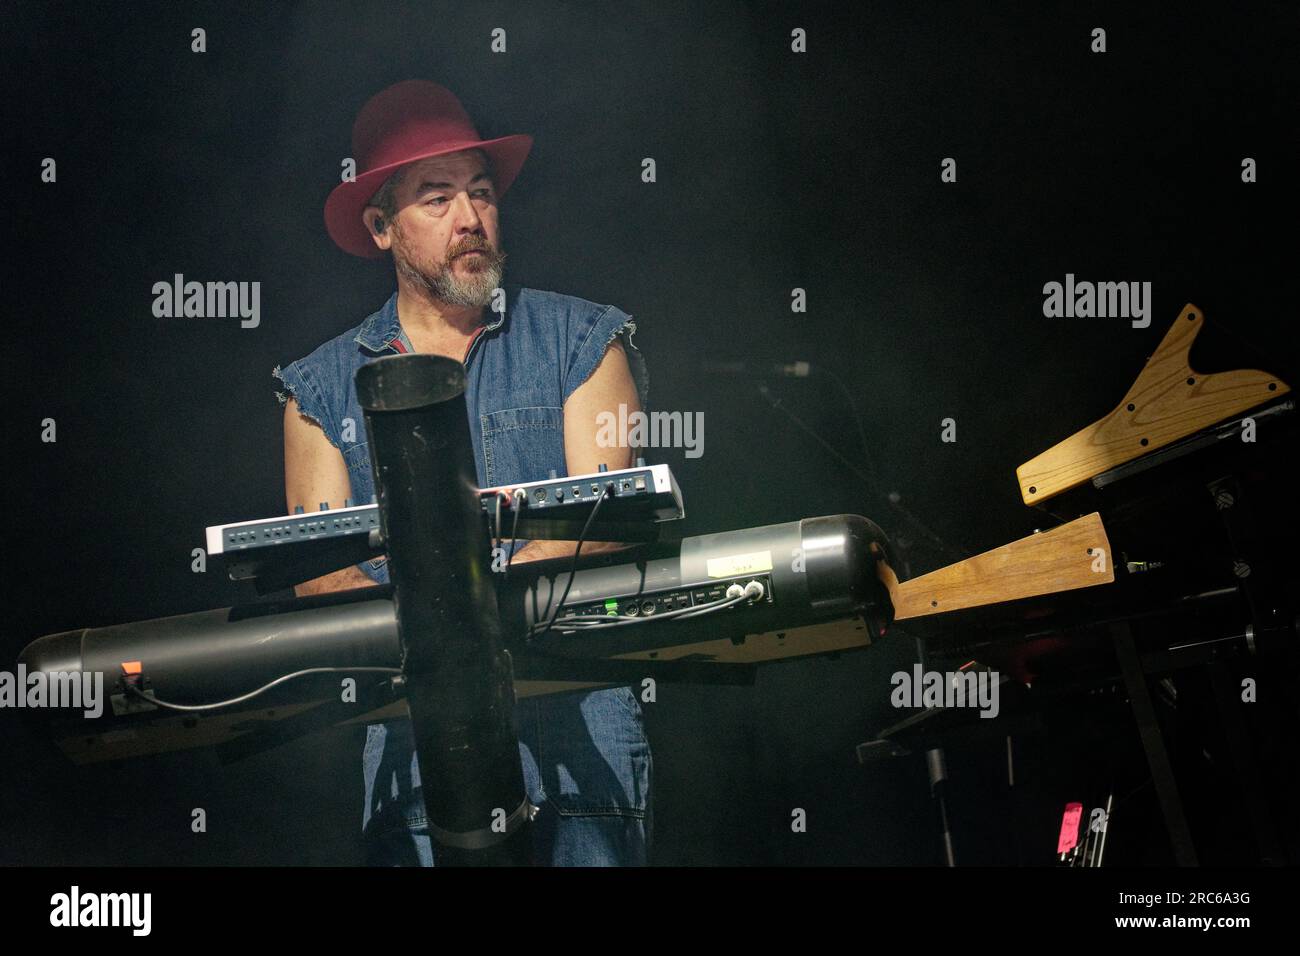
x=445 y=237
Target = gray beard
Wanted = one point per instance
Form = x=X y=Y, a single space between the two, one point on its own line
x=474 y=291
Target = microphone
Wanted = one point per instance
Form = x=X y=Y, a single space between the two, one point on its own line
x=798 y=369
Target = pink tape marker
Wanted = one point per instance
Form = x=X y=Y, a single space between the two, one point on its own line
x=1069 y=837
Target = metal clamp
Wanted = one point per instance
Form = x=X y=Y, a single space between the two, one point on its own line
x=483 y=838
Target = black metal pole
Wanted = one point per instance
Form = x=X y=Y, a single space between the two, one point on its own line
x=458 y=676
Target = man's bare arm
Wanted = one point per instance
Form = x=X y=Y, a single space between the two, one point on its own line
x=314 y=471
x=609 y=386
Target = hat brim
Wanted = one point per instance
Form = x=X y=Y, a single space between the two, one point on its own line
x=348 y=200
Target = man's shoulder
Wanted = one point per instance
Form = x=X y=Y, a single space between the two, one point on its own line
x=575 y=333
x=541 y=300
x=343 y=342
x=341 y=349
x=534 y=298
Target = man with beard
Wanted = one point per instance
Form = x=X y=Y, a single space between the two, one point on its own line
x=540 y=367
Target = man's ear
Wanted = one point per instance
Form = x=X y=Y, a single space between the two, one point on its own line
x=379 y=228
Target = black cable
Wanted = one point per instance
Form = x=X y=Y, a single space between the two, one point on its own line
x=894 y=501
x=573 y=572
x=261 y=690
x=496 y=521
x=867 y=460
x=518 y=506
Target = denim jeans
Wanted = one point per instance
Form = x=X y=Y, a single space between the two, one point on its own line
x=586 y=764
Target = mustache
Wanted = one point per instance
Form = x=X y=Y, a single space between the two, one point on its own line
x=472 y=245
x=405 y=252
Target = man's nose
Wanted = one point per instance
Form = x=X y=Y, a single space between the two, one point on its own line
x=467 y=217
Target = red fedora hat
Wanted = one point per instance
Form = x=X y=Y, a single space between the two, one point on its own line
x=409 y=121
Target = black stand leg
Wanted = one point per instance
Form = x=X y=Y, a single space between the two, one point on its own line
x=1162 y=773
x=1240 y=750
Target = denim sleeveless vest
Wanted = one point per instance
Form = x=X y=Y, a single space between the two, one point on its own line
x=585 y=757
x=520 y=370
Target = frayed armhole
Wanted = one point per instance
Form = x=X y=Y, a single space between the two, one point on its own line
x=306 y=410
x=636 y=362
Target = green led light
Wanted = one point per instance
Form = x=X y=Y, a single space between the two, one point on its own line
x=611 y=607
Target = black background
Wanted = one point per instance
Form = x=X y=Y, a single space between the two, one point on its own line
x=775 y=171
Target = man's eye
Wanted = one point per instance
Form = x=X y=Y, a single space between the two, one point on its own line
x=437 y=199
x=484 y=193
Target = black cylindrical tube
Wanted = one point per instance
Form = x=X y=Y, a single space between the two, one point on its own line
x=820 y=569
x=458 y=679
x=215 y=655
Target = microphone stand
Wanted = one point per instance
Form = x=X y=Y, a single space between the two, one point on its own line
x=893 y=498
x=936 y=765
